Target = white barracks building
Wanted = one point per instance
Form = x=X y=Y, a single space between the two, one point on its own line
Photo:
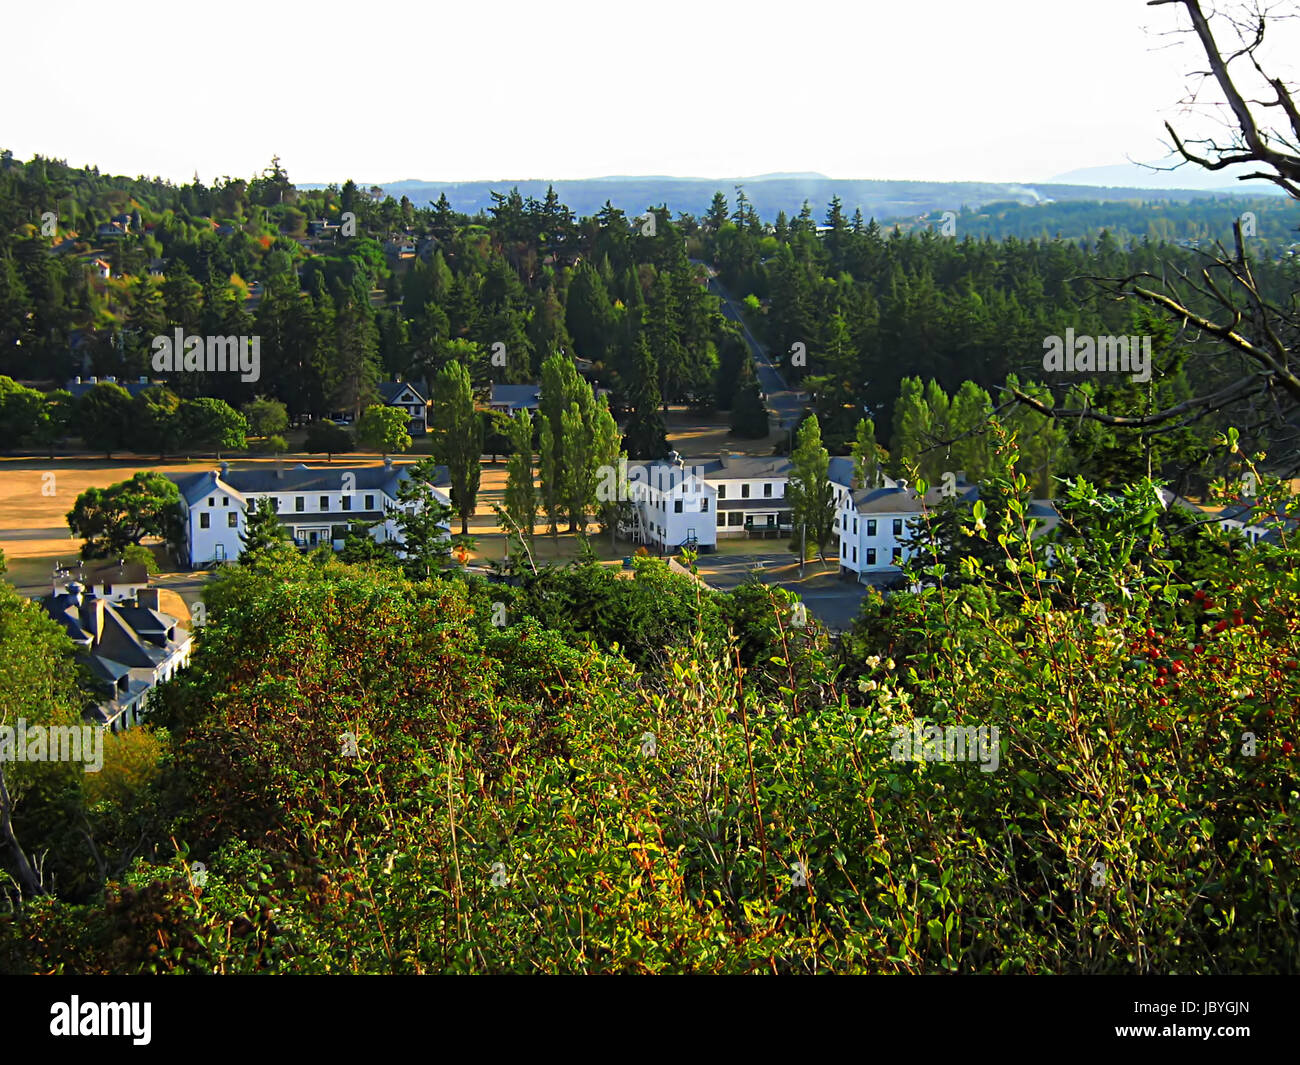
x=314 y=504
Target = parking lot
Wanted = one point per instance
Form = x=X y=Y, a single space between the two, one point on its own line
x=831 y=601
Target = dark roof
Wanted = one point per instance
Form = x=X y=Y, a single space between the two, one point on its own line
x=390 y=390
x=114 y=573
x=80 y=388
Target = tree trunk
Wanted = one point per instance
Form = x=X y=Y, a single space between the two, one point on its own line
x=27 y=878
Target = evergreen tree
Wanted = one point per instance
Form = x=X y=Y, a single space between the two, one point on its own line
x=866 y=455
x=812 y=499
x=263 y=533
x=645 y=437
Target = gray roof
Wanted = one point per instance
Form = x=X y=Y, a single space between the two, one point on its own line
x=899 y=500
x=516 y=396
x=300 y=478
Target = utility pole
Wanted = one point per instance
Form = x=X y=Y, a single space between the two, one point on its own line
x=803 y=546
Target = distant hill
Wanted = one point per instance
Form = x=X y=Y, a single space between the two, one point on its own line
x=770 y=193
x=1185 y=177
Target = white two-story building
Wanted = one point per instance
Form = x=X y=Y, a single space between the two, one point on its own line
x=315 y=504
x=673 y=506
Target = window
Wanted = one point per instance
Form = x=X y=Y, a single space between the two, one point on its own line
x=735 y=518
x=704 y=505
x=722 y=491
x=855 y=554
x=370 y=502
x=871 y=526
x=722 y=518
x=677 y=506
x=212 y=501
x=203 y=521
x=347 y=502
x=232 y=519
x=767 y=490
x=275 y=502
x=855 y=526
x=225 y=501
x=871 y=556
x=299 y=503
x=324 y=502
x=898 y=554
x=898 y=526
x=744 y=491
x=771 y=520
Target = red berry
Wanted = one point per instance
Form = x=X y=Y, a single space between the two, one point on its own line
x=1198 y=649
x=1178 y=666
x=1151 y=634
x=1159 y=682
x=1163 y=702
x=1286 y=746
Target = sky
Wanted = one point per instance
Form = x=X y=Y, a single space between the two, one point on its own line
x=1007 y=90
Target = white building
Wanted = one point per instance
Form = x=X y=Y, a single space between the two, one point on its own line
x=315 y=504
x=746 y=495
x=674 y=506
x=130 y=645
x=874 y=524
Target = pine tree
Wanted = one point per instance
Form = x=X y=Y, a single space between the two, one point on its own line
x=263 y=535
x=968 y=422
x=911 y=427
x=812 y=499
x=646 y=438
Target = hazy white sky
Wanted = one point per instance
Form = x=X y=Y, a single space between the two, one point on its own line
x=1004 y=90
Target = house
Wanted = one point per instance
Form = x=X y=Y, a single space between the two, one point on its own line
x=321 y=228
x=115 y=230
x=315 y=504
x=405 y=396
x=672 y=506
x=113 y=581
x=130 y=646
x=874 y=524
x=751 y=491
x=511 y=399
x=101 y=269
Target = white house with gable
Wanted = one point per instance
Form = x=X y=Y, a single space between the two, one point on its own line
x=315 y=504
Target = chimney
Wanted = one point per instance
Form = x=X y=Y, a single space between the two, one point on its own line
x=147 y=598
x=388 y=462
x=74 y=590
x=92 y=617
x=225 y=469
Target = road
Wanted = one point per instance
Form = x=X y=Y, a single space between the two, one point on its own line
x=786 y=404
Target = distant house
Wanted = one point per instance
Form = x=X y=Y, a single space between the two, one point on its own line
x=321 y=228
x=79 y=386
x=116 y=229
x=130 y=645
x=101 y=268
x=315 y=505
x=405 y=396
x=156 y=267
x=113 y=581
x=511 y=399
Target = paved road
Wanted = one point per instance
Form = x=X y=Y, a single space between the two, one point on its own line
x=833 y=602
x=785 y=403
